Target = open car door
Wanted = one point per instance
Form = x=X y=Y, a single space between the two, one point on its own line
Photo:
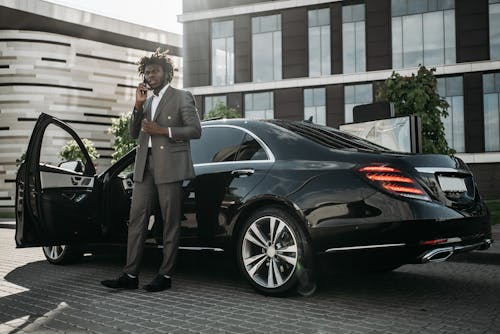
x=55 y=203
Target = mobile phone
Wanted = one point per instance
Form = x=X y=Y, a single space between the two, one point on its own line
x=148 y=87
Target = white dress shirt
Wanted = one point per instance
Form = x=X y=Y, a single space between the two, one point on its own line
x=154 y=106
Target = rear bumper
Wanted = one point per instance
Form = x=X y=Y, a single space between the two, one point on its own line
x=404 y=242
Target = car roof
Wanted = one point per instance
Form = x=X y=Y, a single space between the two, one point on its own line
x=323 y=135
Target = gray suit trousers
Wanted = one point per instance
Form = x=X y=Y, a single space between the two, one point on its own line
x=145 y=196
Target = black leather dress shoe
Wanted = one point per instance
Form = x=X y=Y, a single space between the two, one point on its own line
x=159 y=283
x=122 y=282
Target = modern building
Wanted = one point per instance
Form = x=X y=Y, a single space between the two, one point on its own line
x=295 y=59
x=75 y=65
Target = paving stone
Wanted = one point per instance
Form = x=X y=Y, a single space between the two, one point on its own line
x=450 y=297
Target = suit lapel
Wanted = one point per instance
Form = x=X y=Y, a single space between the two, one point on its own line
x=164 y=101
x=147 y=108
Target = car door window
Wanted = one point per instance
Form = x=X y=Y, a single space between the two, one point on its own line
x=217 y=144
x=54 y=141
x=250 y=149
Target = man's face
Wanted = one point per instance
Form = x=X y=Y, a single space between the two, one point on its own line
x=155 y=75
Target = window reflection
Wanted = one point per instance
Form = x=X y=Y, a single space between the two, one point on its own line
x=423 y=32
x=259 y=105
x=319 y=42
x=494 y=12
x=315 y=105
x=355 y=95
x=216 y=145
x=211 y=102
x=353 y=38
x=491 y=100
x=451 y=88
x=266 y=48
x=222 y=53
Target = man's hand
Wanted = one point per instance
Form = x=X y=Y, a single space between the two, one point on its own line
x=152 y=128
x=141 y=94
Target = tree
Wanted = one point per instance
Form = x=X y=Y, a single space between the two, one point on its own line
x=123 y=142
x=72 y=152
x=417 y=95
x=222 y=111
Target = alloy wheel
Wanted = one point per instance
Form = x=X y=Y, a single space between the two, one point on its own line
x=54 y=252
x=269 y=252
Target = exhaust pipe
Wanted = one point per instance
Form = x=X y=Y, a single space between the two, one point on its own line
x=437 y=255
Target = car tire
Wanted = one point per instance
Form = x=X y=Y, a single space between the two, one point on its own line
x=62 y=254
x=275 y=262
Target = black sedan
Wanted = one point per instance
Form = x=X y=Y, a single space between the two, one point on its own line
x=279 y=195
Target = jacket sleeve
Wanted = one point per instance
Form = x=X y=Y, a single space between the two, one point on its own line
x=191 y=128
x=134 y=126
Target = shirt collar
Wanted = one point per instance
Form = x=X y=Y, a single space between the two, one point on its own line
x=162 y=91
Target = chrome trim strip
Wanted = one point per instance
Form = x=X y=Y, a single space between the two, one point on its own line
x=363 y=247
x=202 y=249
x=213 y=249
x=432 y=170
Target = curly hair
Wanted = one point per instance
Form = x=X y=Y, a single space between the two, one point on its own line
x=160 y=58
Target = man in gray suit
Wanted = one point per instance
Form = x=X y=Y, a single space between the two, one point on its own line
x=163 y=123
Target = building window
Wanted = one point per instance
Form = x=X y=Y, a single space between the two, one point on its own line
x=222 y=53
x=451 y=89
x=266 y=48
x=423 y=32
x=314 y=105
x=353 y=38
x=212 y=101
x=355 y=95
x=319 y=42
x=259 y=106
x=491 y=99
x=494 y=10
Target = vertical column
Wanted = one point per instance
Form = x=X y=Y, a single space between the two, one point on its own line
x=473 y=112
x=378 y=35
x=335 y=105
x=295 y=45
x=196 y=59
x=235 y=100
x=336 y=37
x=242 y=49
x=472 y=30
x=289 y=104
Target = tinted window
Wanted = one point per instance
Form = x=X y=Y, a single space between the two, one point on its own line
x=327 y=136
x=216 y=144
x=251 y=150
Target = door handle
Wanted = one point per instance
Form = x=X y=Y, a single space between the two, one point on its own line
x=242 y=172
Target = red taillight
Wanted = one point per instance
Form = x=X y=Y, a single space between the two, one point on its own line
x=394 y=181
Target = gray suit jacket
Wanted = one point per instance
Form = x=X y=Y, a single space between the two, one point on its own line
x=171 y=156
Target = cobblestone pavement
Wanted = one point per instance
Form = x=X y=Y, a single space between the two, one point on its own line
x=208 y=296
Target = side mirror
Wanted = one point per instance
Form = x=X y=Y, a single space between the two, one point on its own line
x=74 y=165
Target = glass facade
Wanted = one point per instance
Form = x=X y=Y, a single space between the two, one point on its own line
x=451 y=89
x=423 y=32
x=259 y=105
x=315 y=105
x=266 y=48
x=494 y=11
x=355 y=95
x=353 y=38
x=319 y=42
x=222 y=53
x=491 y=100
x=211 y=102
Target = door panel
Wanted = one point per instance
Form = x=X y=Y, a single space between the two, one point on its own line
x=229 y=162
x=55 y=205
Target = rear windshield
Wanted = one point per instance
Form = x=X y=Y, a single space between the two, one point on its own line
x=329 y=137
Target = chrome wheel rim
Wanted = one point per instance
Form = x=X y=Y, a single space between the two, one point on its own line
x=54 y=252
x=269 y=252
